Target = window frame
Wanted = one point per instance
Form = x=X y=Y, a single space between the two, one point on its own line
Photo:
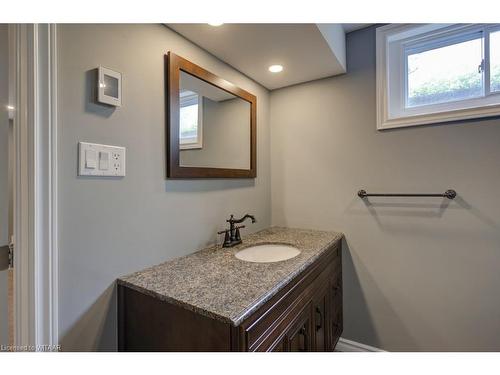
x=186 y=101
x=393 y=43
x=492 y=29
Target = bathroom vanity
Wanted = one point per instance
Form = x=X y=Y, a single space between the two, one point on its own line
x=212 y=301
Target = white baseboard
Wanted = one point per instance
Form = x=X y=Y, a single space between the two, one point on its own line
x=345 y=345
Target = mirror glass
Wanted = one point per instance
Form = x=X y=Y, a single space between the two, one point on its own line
x=214 y=126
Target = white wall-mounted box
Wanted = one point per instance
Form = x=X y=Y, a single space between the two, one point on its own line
x=100 y=160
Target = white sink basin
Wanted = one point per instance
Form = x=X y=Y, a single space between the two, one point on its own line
x=267 y=253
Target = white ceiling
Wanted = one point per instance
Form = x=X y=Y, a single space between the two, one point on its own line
x=305 y=52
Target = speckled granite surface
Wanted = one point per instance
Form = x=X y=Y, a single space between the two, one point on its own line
x=213 y=282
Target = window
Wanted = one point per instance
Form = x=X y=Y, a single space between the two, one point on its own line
x=435 y=73
x=444 y=73
x=190 y=120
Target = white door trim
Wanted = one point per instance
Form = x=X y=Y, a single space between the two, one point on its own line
x=23 y=306
x=35 y=197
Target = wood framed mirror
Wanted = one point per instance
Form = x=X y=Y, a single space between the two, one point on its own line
x=211 y=124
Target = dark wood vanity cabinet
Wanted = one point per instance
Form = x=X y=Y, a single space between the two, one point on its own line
x=305 y=315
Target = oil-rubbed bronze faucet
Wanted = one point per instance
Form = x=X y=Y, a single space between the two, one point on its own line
x=232 y=235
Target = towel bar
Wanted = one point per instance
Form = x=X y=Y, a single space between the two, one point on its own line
x=450 y=194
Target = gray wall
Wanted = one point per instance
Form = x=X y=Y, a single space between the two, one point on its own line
x=419 y=274
x=4 y=169
x=110 y=227
x=226 y=136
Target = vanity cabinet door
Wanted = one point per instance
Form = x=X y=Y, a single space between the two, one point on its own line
x=336 y=321
x=299 y=336
x=320 y=322
x=280 y=346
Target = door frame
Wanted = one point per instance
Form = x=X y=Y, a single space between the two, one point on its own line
x=35 y=186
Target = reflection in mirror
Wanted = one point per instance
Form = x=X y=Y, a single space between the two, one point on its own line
x=214 y=126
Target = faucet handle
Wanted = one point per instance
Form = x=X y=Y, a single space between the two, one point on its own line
x=227 y=236
x=237 y=235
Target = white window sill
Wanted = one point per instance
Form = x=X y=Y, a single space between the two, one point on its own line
x=385 y=122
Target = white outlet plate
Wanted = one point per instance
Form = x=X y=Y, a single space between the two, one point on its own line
x=92 y=160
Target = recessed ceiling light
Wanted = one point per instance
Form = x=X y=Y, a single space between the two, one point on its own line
x=275 y=68
x=215 y=24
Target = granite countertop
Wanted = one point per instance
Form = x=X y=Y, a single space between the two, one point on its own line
x=214 y=283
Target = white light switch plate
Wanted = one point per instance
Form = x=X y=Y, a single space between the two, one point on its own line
x=107 y=160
